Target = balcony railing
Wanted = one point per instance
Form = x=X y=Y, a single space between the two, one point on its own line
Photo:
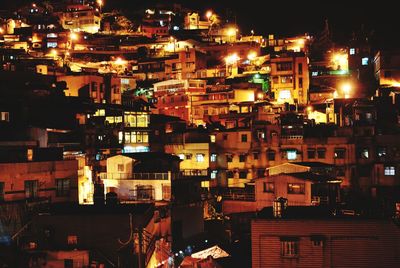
x=135 y=176
x=194 y=172
x=239 y=195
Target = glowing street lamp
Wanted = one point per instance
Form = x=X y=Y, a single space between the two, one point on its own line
x=231 y=63
x=1 y=30
x=251 y=56
x=231 y=32
x=346 y=90
x=100 y=3
x=209 y=13
x=54 y=53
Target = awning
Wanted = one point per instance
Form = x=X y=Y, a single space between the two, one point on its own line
x=215 y=251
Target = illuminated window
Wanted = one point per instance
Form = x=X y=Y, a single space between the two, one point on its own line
x=390 y=171
x=268 y=187
x=213 y=158
x=286 y=79
x=364 y=61
x=62 y=187
x=296 y=188
x=52 y=44
x=5 y=116
x=181 y=156
x=291 y=154
x=363 y=153
x=284 y=66
x=29 y=154
x=381 y=151
x=289 y=247
x=72 y=240
x=213 y=174
x=100 y=112
x=199 y=158
x=285 y=94
x=352 y=51
x=212 y=138
x=314 y=74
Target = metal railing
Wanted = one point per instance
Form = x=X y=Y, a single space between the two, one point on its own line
x=239 y=195
x=134 y=176
x=194 y=172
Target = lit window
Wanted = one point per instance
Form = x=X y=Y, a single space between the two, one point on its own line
x=381 y=151
x=289 y=248
x=5 y=116
x=268 y=187
x=72 y=240
x=213 y=158
x=296 y=188
x=364 y=153
x=314 y=74
x=181 y=156
x=291 y=154
x=29 y=154
x=213 y=174
x=285 y=94
x=199 y=158
x=390 y=171
x=352 y=51
x=364 y=61
x=212 y=138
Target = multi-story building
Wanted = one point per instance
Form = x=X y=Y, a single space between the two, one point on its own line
x=31 y=173
x=80 y=18
x=174 y=97
x=290 y=78
x=311 y=237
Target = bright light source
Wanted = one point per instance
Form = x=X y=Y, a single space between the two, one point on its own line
x=53 y=52
x=301 y=42
x=231 y=59
x=73 y=36
x=346 y=90
x=252 y=55
x=100 y=2
x=119 y=61
x=209 y=13
x=231 y=31
x=340 y=61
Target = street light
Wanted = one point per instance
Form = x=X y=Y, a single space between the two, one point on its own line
x=231 y=60
x=209 y=13
x=346 y=90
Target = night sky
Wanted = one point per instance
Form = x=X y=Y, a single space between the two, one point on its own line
x=291 y=17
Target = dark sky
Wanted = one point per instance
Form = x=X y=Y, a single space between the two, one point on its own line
x=291 y=17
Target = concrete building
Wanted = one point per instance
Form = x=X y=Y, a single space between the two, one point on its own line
x=309 y=237
x=80 y=18
x=290 y=78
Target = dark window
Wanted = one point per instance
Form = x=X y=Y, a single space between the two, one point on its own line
x=321 y=153
x=62 y=187
x=363 y=153
x=225 y=137
x=388 y=74
x=244 y=137
x=268 y=187
x=242 y=174
x=255 y=156
x=2 y=191
x=284 y=66
x=296 y=188
x=300 y=68
x=229 y=158
x=242 y=158
x=340 y=153
x=31 y=188
x=311 y=153
x=271 y=155
x=340 y=171
x=300 y=82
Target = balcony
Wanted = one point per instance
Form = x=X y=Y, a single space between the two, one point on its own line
x=202 y=174
x=135 y=176
x=239 y=194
